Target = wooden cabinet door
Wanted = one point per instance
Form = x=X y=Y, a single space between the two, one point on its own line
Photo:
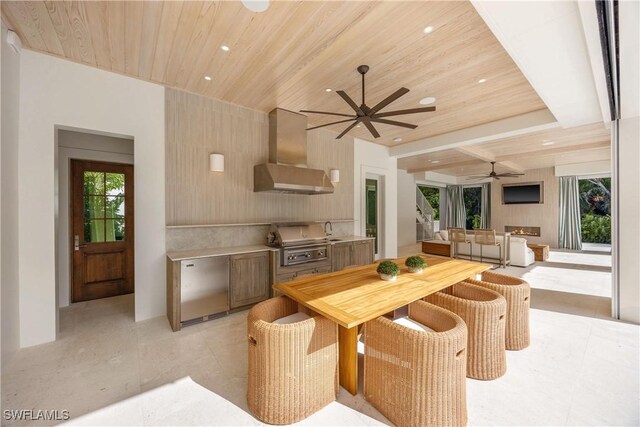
x=341 y=255
x=363 y=252
x=249 y=279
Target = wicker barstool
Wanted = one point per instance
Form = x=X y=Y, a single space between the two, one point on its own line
x=293 y=367
x=518 y=295
x=484 y=312
x=416 y=377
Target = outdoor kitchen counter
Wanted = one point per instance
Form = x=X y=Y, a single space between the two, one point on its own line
x=205 y=253
x=352 y=238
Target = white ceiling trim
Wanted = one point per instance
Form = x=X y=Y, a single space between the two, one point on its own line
x=546 y=41
x=505 y=128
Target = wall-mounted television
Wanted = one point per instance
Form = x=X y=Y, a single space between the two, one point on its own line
x=523 y=193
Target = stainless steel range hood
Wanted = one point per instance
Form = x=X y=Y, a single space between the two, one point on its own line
x=287 y=170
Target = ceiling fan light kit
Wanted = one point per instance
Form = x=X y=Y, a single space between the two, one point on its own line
x=368 y=116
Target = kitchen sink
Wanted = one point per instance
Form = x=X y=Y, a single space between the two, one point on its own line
x=335 y=240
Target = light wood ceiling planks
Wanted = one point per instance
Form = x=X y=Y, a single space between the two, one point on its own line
x=288 y=55
x=564 y=146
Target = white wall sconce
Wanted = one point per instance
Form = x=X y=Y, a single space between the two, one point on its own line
x=334 y=175
x=216 y=162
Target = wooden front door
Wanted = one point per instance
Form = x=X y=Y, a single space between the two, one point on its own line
x=102 y=230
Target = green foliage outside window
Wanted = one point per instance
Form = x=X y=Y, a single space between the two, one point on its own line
x=595 y=206
x=432 y=195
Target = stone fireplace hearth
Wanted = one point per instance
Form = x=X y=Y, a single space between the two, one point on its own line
x=521 y=230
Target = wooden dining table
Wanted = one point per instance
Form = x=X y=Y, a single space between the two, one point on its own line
x=356 y=295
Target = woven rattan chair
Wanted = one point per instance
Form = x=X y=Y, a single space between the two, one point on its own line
x=457 y=236
x=483 y=310
x=487 y=237
x=293 y=368
x=518 y=295
x=417 y=378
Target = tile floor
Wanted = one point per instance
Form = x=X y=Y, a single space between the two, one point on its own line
x=581 y=369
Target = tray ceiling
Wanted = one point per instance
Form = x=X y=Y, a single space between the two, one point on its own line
x=581 y=144
x=288 y=55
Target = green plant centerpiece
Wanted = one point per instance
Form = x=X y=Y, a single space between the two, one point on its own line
x=415 y=264
x=388 y=270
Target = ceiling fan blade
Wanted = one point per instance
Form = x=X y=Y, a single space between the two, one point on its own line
x=326 y=112
x=349 y=101
x=329 y=124
x=372 y=129
x=509 y=175
x=402 y=112
x=388 y=100
x=394 y=123
x=478 y=177
x=351 y=126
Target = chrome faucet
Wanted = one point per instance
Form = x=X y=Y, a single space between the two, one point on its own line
x=330 y=228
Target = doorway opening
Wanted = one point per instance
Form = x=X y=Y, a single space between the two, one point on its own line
x=373 y=211
x=103 y=221
x=595 y=213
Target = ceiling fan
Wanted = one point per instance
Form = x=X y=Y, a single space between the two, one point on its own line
x=367 y=116
x=495 y=175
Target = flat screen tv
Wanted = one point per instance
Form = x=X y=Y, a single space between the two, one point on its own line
x=520 y=194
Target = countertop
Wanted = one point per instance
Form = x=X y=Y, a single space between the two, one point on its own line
x=348 y=239
x=236 y=250
x=205 y=253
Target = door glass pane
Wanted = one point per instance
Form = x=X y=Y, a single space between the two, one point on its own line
x=114 y=230
x=115 y=184
x=94 y=206
x=371 y=187
x=94 y=230
x=115 y=207
x=93 y=183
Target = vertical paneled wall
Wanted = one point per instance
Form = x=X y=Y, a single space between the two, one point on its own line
x=197 y=126
x=545 y=215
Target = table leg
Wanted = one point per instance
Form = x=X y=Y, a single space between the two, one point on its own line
x=348 y=358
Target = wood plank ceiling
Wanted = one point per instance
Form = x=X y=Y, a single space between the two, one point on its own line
x=288 y=55
x=536 y=150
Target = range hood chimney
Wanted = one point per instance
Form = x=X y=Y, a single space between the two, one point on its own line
x=287 y=170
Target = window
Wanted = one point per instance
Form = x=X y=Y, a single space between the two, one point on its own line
x=595 y=209
x=432 y=195
x=103 y=207
x=471 y=197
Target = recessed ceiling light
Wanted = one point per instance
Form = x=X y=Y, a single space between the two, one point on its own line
x=398 y=139
x=548 y=143
x=428 y=100
x=328 y=89
x=482 y=80
x=225 y=48
x=435 y=161
x=256 y=5
x=359 y=126
x=207 y=78
x=428 y=29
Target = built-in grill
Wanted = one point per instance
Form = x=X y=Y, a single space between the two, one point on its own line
x=299 y=242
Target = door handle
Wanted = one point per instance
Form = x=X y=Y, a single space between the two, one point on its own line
x=76 y=243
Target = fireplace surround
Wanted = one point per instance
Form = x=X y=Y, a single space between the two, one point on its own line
x=521 y=230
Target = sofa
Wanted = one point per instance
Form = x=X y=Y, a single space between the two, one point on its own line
x=519 y=253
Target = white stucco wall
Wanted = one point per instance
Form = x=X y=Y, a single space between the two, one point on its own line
x=375 y=159
x=9 y=92
x=629 y=159
x=55 y=92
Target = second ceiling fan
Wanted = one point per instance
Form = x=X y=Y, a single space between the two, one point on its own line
x=366 y=115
